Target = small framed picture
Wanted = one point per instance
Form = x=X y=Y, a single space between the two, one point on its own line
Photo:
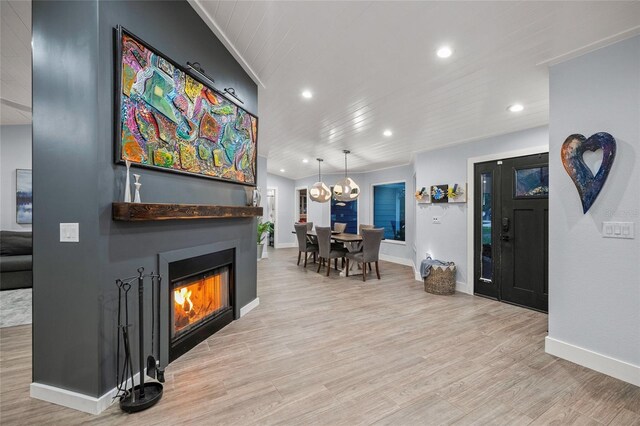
x=24 y=196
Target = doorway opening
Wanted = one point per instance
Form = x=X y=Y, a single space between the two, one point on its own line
x=272 y=205
x=301 y=205
x=511 y=212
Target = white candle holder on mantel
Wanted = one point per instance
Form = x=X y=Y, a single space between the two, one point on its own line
x=127 y=184
x=137 y=184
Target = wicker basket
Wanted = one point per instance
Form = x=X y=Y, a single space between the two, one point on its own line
x=441 y=280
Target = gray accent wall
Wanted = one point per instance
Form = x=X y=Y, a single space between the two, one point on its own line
x=76 y=180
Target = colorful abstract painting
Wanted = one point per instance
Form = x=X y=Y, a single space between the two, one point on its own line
x=171 y=121
x=24 y=197
x=572 y=154
x=439 y=193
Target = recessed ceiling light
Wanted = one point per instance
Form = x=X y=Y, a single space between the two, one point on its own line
x=444 y=52
x=281 y=170
x=307 y=94
x=515 y=108
x=387 y=132
x=304 y=160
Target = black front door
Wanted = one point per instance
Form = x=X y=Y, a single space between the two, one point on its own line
x=511 y=222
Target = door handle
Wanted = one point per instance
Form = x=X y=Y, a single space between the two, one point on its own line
x=505 y=238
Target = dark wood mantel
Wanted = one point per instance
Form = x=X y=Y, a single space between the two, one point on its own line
x=138 y=212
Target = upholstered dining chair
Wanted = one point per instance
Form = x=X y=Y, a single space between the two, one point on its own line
x=304 y=245
x=339 y=227
x=370 y=253
x=361 y=227
x=326 y=250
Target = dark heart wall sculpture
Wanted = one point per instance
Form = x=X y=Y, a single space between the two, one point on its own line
x=573 y=149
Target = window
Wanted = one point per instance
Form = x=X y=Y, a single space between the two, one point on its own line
x=532 y=182
x=389 y=209
x=344 y=212
x=486 y=264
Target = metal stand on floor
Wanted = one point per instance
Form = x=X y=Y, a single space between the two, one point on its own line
x=143 y=395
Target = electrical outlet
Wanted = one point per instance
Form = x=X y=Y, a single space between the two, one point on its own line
x=69 y=232
x=436 y=220
x=618 y=230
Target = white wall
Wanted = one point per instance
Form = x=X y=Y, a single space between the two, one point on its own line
x=15 y=153
x=320 y=213
x=594 y=283
x=390 y=250
x=262 y=187
x=448 y=240
x=285 y=193
x=262 y=178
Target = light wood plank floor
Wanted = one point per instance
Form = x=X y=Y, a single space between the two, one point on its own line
x=339 y=351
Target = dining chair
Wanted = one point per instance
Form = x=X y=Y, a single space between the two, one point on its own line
x=370 y=253
x=304 y=245
x=361 y=227
x=339 y=227
x=326 y=250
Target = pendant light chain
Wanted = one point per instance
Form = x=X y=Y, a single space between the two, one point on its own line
x=345 y=164
x=346 y=152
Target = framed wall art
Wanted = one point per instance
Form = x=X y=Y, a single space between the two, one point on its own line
x=24 y=196
x=439 y=193
x=168 y=119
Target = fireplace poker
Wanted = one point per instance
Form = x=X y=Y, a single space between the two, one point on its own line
x=151 y=359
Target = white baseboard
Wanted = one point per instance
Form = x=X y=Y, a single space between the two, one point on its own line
x=417 y=275
x=90 y=404
x=604 y=364
x=77 y=401
x=249 y=306
x=463 y=288
x=394 y=259
x=285 y=245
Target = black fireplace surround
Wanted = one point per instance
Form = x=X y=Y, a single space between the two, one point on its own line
x=179 y=266
x=182 y=270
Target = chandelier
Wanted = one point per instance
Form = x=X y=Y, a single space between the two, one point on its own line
x=320 y=192
x=346 y=189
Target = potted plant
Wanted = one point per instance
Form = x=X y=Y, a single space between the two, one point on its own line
x=263 y=228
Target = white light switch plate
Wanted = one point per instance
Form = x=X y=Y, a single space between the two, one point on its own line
x=69 y=232
x=618 y=230
x=436 y=220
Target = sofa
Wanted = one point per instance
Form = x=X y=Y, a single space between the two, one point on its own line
x=16 y=260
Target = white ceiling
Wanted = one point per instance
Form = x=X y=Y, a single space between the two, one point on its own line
x=372 y=66
x=15 y=62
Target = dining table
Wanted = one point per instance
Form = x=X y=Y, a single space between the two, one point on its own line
x=352 y=242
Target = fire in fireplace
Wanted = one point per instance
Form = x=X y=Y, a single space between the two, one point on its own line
x=198 y=298
x=201 y=299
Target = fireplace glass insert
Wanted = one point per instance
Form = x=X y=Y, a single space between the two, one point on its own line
x=199 y=298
